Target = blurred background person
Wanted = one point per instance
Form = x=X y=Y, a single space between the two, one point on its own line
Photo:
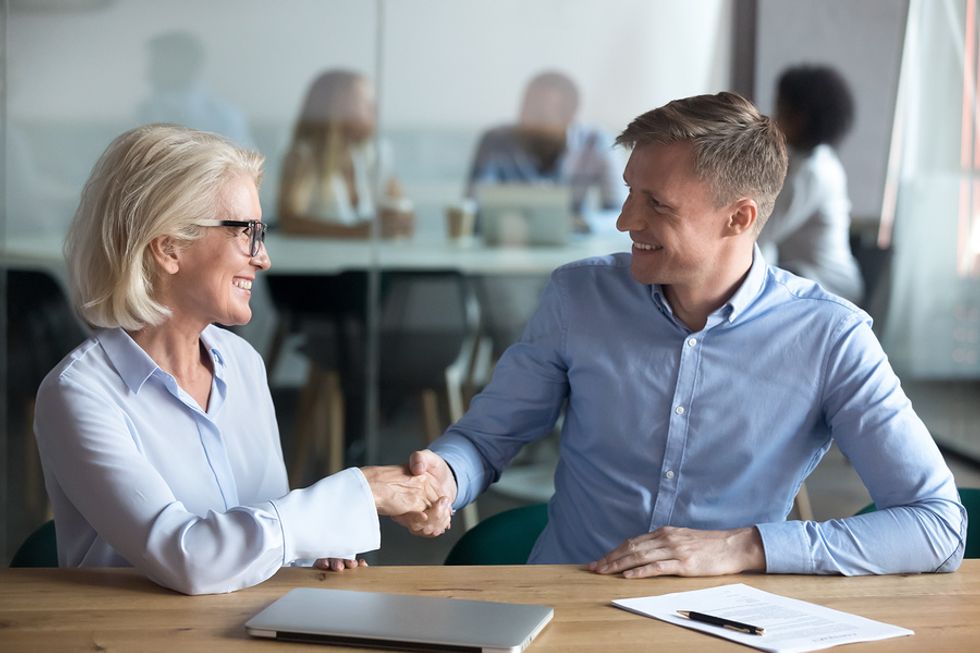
x=548 y=145
x=175 y=67
x=335 y=178
x=809 y=230
x=158 y=436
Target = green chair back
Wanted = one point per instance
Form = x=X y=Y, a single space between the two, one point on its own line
x=504 y=539
x=40 y=549
x=970 y=496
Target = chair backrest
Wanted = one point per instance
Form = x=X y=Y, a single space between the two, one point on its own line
x=504 y=539
x=40 y=549
x=970 y=496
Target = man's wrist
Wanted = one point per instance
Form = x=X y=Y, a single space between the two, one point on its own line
x=752 y=551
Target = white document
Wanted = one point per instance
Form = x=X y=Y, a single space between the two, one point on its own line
x=790 y=625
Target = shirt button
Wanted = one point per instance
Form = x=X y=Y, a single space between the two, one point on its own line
x=692 y=342
x=679 y=410
x=669 y=473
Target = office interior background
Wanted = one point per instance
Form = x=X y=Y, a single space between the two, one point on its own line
x=435 y=310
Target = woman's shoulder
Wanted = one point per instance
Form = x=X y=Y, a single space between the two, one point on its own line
x=87 y=367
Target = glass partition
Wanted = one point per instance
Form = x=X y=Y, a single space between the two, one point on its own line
x=932 y=222
x=76 y=75
x=428 y=163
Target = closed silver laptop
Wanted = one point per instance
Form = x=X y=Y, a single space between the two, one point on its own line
x=399 y=621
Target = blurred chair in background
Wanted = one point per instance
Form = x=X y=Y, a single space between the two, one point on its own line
x=40 y=549
x=41 y=330
x=503 y=539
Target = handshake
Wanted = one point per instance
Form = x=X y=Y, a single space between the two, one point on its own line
x=419 y=497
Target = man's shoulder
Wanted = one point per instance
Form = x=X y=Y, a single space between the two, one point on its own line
x=615 y=264
x=499 y=133
x=597 y=274
x=789 y=291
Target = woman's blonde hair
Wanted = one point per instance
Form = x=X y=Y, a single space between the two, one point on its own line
x=152 y=181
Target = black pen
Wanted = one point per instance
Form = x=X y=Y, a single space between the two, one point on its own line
x=721 y=621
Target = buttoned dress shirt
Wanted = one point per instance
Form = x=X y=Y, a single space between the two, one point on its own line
x=139 y=474
x=588 y=161
x=711 y=429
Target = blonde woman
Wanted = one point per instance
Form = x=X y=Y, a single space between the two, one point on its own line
x=335 y=179
x=158 y=435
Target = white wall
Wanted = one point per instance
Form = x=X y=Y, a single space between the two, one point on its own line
x=446 y=61
x=465 y=63
x=90 y=65
x=862 y=39
x=448 y=69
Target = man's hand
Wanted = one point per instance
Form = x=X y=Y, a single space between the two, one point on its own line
x=396 y=491
x=437 y=518
x=671 y=551
x=338 y=564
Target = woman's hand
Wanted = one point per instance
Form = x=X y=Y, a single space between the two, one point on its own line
x=338 y=564
x=396 y=491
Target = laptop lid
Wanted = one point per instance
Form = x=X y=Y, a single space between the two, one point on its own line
x=399 y=621
x=525 y=214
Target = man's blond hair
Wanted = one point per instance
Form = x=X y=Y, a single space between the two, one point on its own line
x=737 y=150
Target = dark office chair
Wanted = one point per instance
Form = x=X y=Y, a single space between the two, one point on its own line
x=40 y=549
x=970 y=496
x=504 y=539
x=41 y=330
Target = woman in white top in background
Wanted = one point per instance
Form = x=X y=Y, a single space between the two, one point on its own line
x=336 y=179
x=158 y=435
x=808 y=232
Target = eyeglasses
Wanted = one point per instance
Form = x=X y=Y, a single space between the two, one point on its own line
x=253 y=228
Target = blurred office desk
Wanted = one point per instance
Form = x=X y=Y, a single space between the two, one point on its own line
x=307 y=255
x=116 y=609
x=304 y=255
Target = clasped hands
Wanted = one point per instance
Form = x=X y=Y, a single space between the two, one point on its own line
x=415 y=496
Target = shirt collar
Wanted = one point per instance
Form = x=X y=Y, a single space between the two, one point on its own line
x=738 y=302
x=130 y=361
x=210 y=343
x=135 y=366
x=751 y=287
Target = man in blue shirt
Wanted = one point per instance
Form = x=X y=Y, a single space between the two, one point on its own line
x=547 y=145
x=701 y=387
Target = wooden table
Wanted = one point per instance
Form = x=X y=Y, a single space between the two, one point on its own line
x=117 y=610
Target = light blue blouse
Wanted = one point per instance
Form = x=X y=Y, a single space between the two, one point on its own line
x=139 y=475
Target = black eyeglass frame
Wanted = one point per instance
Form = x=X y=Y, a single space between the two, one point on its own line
x=257 y=230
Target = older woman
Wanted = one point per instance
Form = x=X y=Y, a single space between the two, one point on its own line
x=158 y=435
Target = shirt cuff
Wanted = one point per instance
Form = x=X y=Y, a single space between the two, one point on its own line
x=333 y=518
x=462 y=457
x=786 y=548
